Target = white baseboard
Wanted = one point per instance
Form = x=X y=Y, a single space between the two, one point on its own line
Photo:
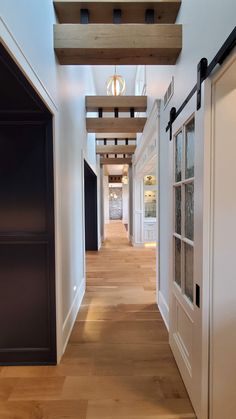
x=99 y=243
x=164 y=309
x=71 y=316
x=138 y=244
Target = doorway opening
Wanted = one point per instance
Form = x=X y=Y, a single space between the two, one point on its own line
x=90 y=202
x=27 y=248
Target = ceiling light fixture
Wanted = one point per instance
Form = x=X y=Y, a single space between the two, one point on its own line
x=125 y=180
x=115 y=85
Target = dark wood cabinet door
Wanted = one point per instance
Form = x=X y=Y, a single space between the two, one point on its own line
x=27 y=278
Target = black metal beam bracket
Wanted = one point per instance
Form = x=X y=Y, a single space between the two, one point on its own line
x=84 y=16
x=117 y=16
x=150 y=16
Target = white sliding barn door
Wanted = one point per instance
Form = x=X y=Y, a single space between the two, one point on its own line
x=223 y=257
x=186 y=272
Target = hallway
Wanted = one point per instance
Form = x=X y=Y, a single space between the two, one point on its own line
x=118 y=363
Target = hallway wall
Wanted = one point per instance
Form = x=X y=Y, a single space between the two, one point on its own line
x=106 y=199
x=26 y=29
x=206 y=25
x=125 y=197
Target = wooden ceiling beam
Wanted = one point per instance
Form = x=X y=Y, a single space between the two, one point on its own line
x=109 y=103
x=133 y=11
x=115 y=124
x=112 y=44
x=127 y=160
x=120 y=141
x=117 y=135
x=116 y=149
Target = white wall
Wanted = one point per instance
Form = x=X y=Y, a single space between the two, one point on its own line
x=26 y=28
x=206 y=25
x=125 y=202
x=106 y=199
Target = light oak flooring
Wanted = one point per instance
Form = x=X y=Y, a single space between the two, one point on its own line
x=118 y=363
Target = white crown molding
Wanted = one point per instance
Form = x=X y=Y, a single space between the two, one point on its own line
x=147 y=146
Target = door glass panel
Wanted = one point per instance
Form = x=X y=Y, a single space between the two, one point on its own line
x=178 y=261
x=189 y=211
x=188 y=271
x=150 y=204
x=178 y=157
x=178 y=210
x=189 y=153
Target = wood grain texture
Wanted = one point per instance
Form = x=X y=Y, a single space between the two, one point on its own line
x=115 y=160
x=68 y=11
x=118 y=135
x=115 y=149
x=117 y=44
x=109 y=103
x=115 y=124
x=118 y=363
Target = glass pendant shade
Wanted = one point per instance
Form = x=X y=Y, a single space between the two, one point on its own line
x=115 y=85
x=125 y=180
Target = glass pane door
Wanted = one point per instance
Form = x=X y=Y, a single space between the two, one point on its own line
x=184 y=209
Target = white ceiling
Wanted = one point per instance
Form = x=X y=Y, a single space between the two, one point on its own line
x=101 y=74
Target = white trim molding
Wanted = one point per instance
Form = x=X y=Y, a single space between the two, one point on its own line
x=15 y=50
x=72 y=314
x=163 y=308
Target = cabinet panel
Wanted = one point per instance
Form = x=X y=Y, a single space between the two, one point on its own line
x=23 y=187
x=24 y=284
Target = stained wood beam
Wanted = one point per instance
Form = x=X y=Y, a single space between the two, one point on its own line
x=118 y=135
x=127 y=160
x=133 y=11
x=116 y=149
x=117 y=44
x=109 y=103
x=115 y=124
x=110 y=141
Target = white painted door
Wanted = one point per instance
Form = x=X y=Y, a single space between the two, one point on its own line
x=186 y=272
x=223 y=260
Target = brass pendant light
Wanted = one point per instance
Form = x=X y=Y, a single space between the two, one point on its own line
x=115 y=85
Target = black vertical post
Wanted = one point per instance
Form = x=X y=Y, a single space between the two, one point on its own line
x=201 y=75
x=131 y=112
x=117 y=15
x=150 y=16
x=172 y=119
x=115 y=144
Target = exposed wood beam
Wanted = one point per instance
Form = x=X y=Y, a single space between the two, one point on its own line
x=117 y=44
x=105 y=170
x=116 y=149
x=115 y=124
x=109 y=103
x=114 y=142
x=133 y=11
x=118 y=135
x=127 y=160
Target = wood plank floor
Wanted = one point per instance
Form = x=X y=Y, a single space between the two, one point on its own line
x=118 y=363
